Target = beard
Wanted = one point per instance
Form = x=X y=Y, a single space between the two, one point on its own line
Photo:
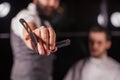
x=46 y=13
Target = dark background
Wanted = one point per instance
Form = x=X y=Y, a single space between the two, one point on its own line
x=77 y=17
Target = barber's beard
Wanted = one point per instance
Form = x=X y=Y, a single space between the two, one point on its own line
x=43 y=14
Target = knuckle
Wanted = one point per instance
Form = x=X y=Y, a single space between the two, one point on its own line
x=51 y=29
x=45 y=31
x=43 y=27
x=45 y=38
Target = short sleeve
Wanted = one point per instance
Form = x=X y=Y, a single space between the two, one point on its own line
x=17 y=27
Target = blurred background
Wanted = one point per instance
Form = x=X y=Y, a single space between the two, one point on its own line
x=73 y=21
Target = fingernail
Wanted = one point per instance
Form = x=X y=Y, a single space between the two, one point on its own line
x=27 y=37
x=48 y=53
x=41 y=52
x=51 y=47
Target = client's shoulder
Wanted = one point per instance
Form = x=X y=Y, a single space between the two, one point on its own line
x=113 y=63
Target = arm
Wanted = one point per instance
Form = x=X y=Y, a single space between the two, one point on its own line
x=46 y=39
x=45 y=35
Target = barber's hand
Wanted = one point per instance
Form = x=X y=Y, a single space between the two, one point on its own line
x=46 y=38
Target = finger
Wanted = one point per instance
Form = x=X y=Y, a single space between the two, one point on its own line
x=27 y=37
x=44 y=36
x=40 y=46
x=47 y=51
x=37 y=33
x=52 y=38
x=55 y=49
x=41 y=49
x=29 y=44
